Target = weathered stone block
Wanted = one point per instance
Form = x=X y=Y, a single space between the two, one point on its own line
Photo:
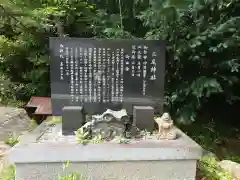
x=231 y=167
x=73 y=118
x=143 y=117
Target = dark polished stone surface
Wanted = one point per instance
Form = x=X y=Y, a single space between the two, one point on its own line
x=141 y=86
x=72 y=119
x=143 y=117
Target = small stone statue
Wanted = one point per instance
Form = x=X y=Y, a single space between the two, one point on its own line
x=166 y=127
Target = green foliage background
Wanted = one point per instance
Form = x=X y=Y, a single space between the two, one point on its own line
x=203 y=42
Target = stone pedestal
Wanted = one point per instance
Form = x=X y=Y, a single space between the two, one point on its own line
x=112 y=170
x=143 y=117
x=73 y=118
x=149 y=159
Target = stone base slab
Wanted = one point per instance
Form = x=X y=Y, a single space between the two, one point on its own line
x=124 y=170
x=40 y=156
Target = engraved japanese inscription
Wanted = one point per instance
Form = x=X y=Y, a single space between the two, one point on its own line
x=87 y=71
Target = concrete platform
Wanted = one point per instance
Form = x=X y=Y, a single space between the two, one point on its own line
x=41 y=154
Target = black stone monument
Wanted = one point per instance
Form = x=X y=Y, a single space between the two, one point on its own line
x=100 y=74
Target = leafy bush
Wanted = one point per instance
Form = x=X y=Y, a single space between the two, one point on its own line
x=12 y=141
x=8 y=173
x=202 y=43
x=70 y=176
x=202 y=52
x=209 y=169
x=24 y=31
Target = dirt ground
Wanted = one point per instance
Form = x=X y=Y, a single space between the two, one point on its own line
x=3 y=155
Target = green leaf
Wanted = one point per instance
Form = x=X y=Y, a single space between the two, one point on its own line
x=181 y=4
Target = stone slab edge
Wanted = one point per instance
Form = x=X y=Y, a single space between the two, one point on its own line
x=94 y=153
x=34 y=135
x=30 y=151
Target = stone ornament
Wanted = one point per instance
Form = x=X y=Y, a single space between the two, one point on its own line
x=108 y=125
x=166 y=127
